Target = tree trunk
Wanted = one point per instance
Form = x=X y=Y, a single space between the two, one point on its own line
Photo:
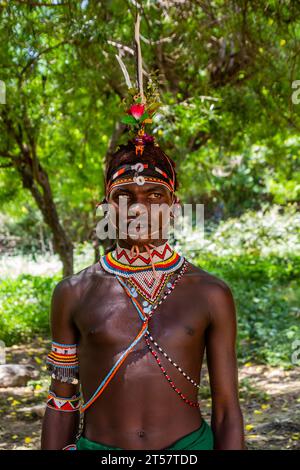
x=34 y=177
x=62 y=244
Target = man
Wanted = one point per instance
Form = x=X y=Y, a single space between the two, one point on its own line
x=136 y=326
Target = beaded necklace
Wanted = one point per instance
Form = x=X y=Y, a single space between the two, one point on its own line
x=146 y=312
x=147 y=274
x=148 y=337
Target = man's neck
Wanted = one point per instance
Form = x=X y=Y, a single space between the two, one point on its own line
x=154 y=254
x=125 y=244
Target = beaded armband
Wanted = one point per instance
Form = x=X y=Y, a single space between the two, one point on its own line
x=62 y=362
x=62 y=403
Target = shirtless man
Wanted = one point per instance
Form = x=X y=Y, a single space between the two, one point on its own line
x=141 y=406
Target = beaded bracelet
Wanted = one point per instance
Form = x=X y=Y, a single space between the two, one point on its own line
x=62 y=403
x=63 y=363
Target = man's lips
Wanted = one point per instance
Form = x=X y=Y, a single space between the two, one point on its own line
x=139 y=228
x=137 y=224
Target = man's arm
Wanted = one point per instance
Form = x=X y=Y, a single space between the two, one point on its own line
x=227 y=420
x=60 y=427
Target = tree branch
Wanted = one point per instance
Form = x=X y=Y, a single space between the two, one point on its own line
x=118 y=131
x=7 y=155
x=45 y=51
x=6 y=165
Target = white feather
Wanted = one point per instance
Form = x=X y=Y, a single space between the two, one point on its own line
x=124 y=70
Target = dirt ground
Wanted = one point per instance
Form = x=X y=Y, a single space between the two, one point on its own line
x=269 y=398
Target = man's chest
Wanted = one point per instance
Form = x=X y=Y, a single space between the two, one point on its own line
x=107 y=317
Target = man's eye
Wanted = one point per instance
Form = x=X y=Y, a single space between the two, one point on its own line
x=154 y=195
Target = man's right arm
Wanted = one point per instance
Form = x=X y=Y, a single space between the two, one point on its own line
x=62 y=417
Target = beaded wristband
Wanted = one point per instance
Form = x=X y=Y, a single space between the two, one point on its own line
x=62 y=403
x=63 y=363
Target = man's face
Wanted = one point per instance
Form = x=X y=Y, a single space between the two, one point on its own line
x=142 y=213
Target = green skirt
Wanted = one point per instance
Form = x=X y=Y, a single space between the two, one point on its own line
x=200 y=439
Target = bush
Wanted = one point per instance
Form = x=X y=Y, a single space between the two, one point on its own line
x=271 y=230
x=24 y=307
x=265 y=289
x=267 y=298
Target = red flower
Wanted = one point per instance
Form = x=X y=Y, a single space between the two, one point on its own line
x=137 y=110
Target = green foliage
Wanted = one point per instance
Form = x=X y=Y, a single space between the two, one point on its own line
x=265 y=289
x=24 y=307
x=129 y=120
x=271 y=230
x=227 y=117
x=225 y=78
x=267 y=297
x=257 y=254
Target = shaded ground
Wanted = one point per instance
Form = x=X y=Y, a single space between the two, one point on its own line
x=269 y=398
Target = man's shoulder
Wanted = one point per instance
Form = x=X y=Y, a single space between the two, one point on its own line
x=208 y=281
x=216 y=294
x=78 y=281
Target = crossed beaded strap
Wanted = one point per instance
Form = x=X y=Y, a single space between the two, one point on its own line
x=114 y=369
x=140 y=335
x=120 y=361
x=147 y=336
x=170 y=360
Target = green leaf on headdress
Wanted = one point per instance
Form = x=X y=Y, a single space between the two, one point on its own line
x=128 y=120
x=132 y=91
x=144 y=116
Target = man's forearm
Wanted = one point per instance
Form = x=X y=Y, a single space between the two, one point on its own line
x=59 y=429
x=229 y=433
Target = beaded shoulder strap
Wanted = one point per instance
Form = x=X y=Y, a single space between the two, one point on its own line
x=144 y=331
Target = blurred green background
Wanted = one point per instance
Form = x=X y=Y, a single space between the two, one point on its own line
x=227 y=74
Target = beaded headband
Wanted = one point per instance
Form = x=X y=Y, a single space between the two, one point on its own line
x=119 y=177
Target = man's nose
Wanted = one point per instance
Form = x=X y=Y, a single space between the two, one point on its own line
x=137 y=209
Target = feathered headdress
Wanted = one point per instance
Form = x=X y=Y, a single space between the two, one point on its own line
x=140 y=105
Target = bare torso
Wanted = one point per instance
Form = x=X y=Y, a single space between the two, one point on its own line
x=139 y=409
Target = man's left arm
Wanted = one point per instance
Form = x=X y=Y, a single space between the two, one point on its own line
x=227 y=420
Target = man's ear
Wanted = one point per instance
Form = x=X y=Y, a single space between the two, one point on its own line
x=99 y=206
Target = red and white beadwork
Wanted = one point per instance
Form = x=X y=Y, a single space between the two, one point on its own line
x=138 y=269
x=62 y=362
x=149 y=313
x=159 y=253
x=62 y=403
x=70 y=447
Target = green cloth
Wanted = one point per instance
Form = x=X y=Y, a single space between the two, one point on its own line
x=201 y=439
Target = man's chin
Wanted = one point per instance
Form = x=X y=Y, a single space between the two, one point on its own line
x=140 y=240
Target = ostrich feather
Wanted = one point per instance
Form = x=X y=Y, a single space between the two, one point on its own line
x=139 y=65
x=124 y=70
